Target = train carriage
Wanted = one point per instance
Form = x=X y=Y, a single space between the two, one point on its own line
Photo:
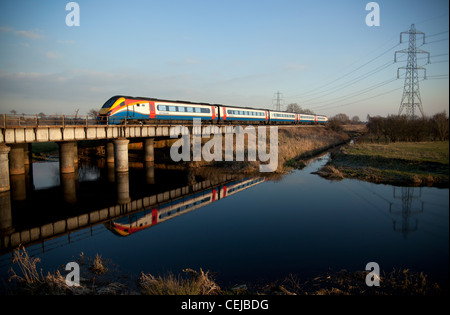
x=243 y=114
x=185 y=111
x=321 y=119
x=280 y=117
x=306 y=119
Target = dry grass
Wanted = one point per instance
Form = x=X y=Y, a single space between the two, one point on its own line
x=31 y=281
x=98 y=266
x=197 y=283
x=294 y=145
x=397 y=282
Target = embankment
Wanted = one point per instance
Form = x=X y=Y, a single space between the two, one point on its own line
x=295 y=144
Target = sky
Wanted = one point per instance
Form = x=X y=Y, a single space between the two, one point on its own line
x=319 y=54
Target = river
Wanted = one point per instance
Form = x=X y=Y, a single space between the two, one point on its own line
x=243 y=229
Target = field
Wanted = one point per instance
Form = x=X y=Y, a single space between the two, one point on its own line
x=400 y=163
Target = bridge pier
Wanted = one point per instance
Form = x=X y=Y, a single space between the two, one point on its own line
x=4 y=168
x=75 y=152
x=109 y=151
x=121 y=155
x=17 y=159
x=66 y=157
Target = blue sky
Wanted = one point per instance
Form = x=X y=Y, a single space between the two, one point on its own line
x=318 y=54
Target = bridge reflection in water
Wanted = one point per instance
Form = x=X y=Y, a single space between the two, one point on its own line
x=123 y=216
x=136 y=222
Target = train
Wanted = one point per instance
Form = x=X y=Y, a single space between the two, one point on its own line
x=121 y=109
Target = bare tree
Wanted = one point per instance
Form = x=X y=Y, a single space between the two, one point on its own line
x=93 y=113
x=295 y=108
x=355 y=120
x=342 y=118
x=440 y=126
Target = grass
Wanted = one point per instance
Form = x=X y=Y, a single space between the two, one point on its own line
x=402 y=163
x=435 y=152
x=31 y=281
x=294 y=145
x=196 y=283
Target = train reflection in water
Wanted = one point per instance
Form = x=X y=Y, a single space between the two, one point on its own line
x=136 y=222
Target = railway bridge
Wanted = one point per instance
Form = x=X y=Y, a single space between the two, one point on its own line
x=18 y=132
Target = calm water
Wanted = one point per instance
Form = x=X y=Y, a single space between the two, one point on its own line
x=242 y=229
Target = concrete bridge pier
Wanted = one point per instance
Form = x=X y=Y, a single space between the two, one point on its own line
x=17 y=159
x=4 y=168
x=75 y=153
x=66 y=157
x=109 y=150
x=121 y=155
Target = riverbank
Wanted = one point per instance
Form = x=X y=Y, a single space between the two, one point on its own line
x=295 y=145
x=400 y=163
x=99 y=276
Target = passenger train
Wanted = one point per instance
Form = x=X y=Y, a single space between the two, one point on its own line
x=144 y=219
x=141 y=110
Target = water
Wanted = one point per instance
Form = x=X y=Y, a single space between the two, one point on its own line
x=299 y=223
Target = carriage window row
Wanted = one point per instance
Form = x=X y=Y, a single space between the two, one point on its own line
x=182 y=109
x=244 y=112
x=283 y=115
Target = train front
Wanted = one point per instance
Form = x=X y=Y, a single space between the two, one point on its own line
x=106 y=113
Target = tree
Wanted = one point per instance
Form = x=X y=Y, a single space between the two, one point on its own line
x=93 y=113
x=355 y=120
x=440 y=126
x=295 y=108
x=342 y=118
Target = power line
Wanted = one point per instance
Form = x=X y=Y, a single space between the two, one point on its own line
x=343 y=76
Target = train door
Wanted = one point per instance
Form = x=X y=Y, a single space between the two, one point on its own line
x=213 y=113
x=152 y=110
x=216 y=108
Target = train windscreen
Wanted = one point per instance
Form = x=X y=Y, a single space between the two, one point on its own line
x=110 y=102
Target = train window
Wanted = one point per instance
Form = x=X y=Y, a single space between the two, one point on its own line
x=181 y=109
x=162 y=107
x=205 y=110
x=172 y=109
x=189 y=109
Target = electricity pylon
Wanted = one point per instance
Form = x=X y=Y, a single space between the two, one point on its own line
x=411 y=95
x=278 y=101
